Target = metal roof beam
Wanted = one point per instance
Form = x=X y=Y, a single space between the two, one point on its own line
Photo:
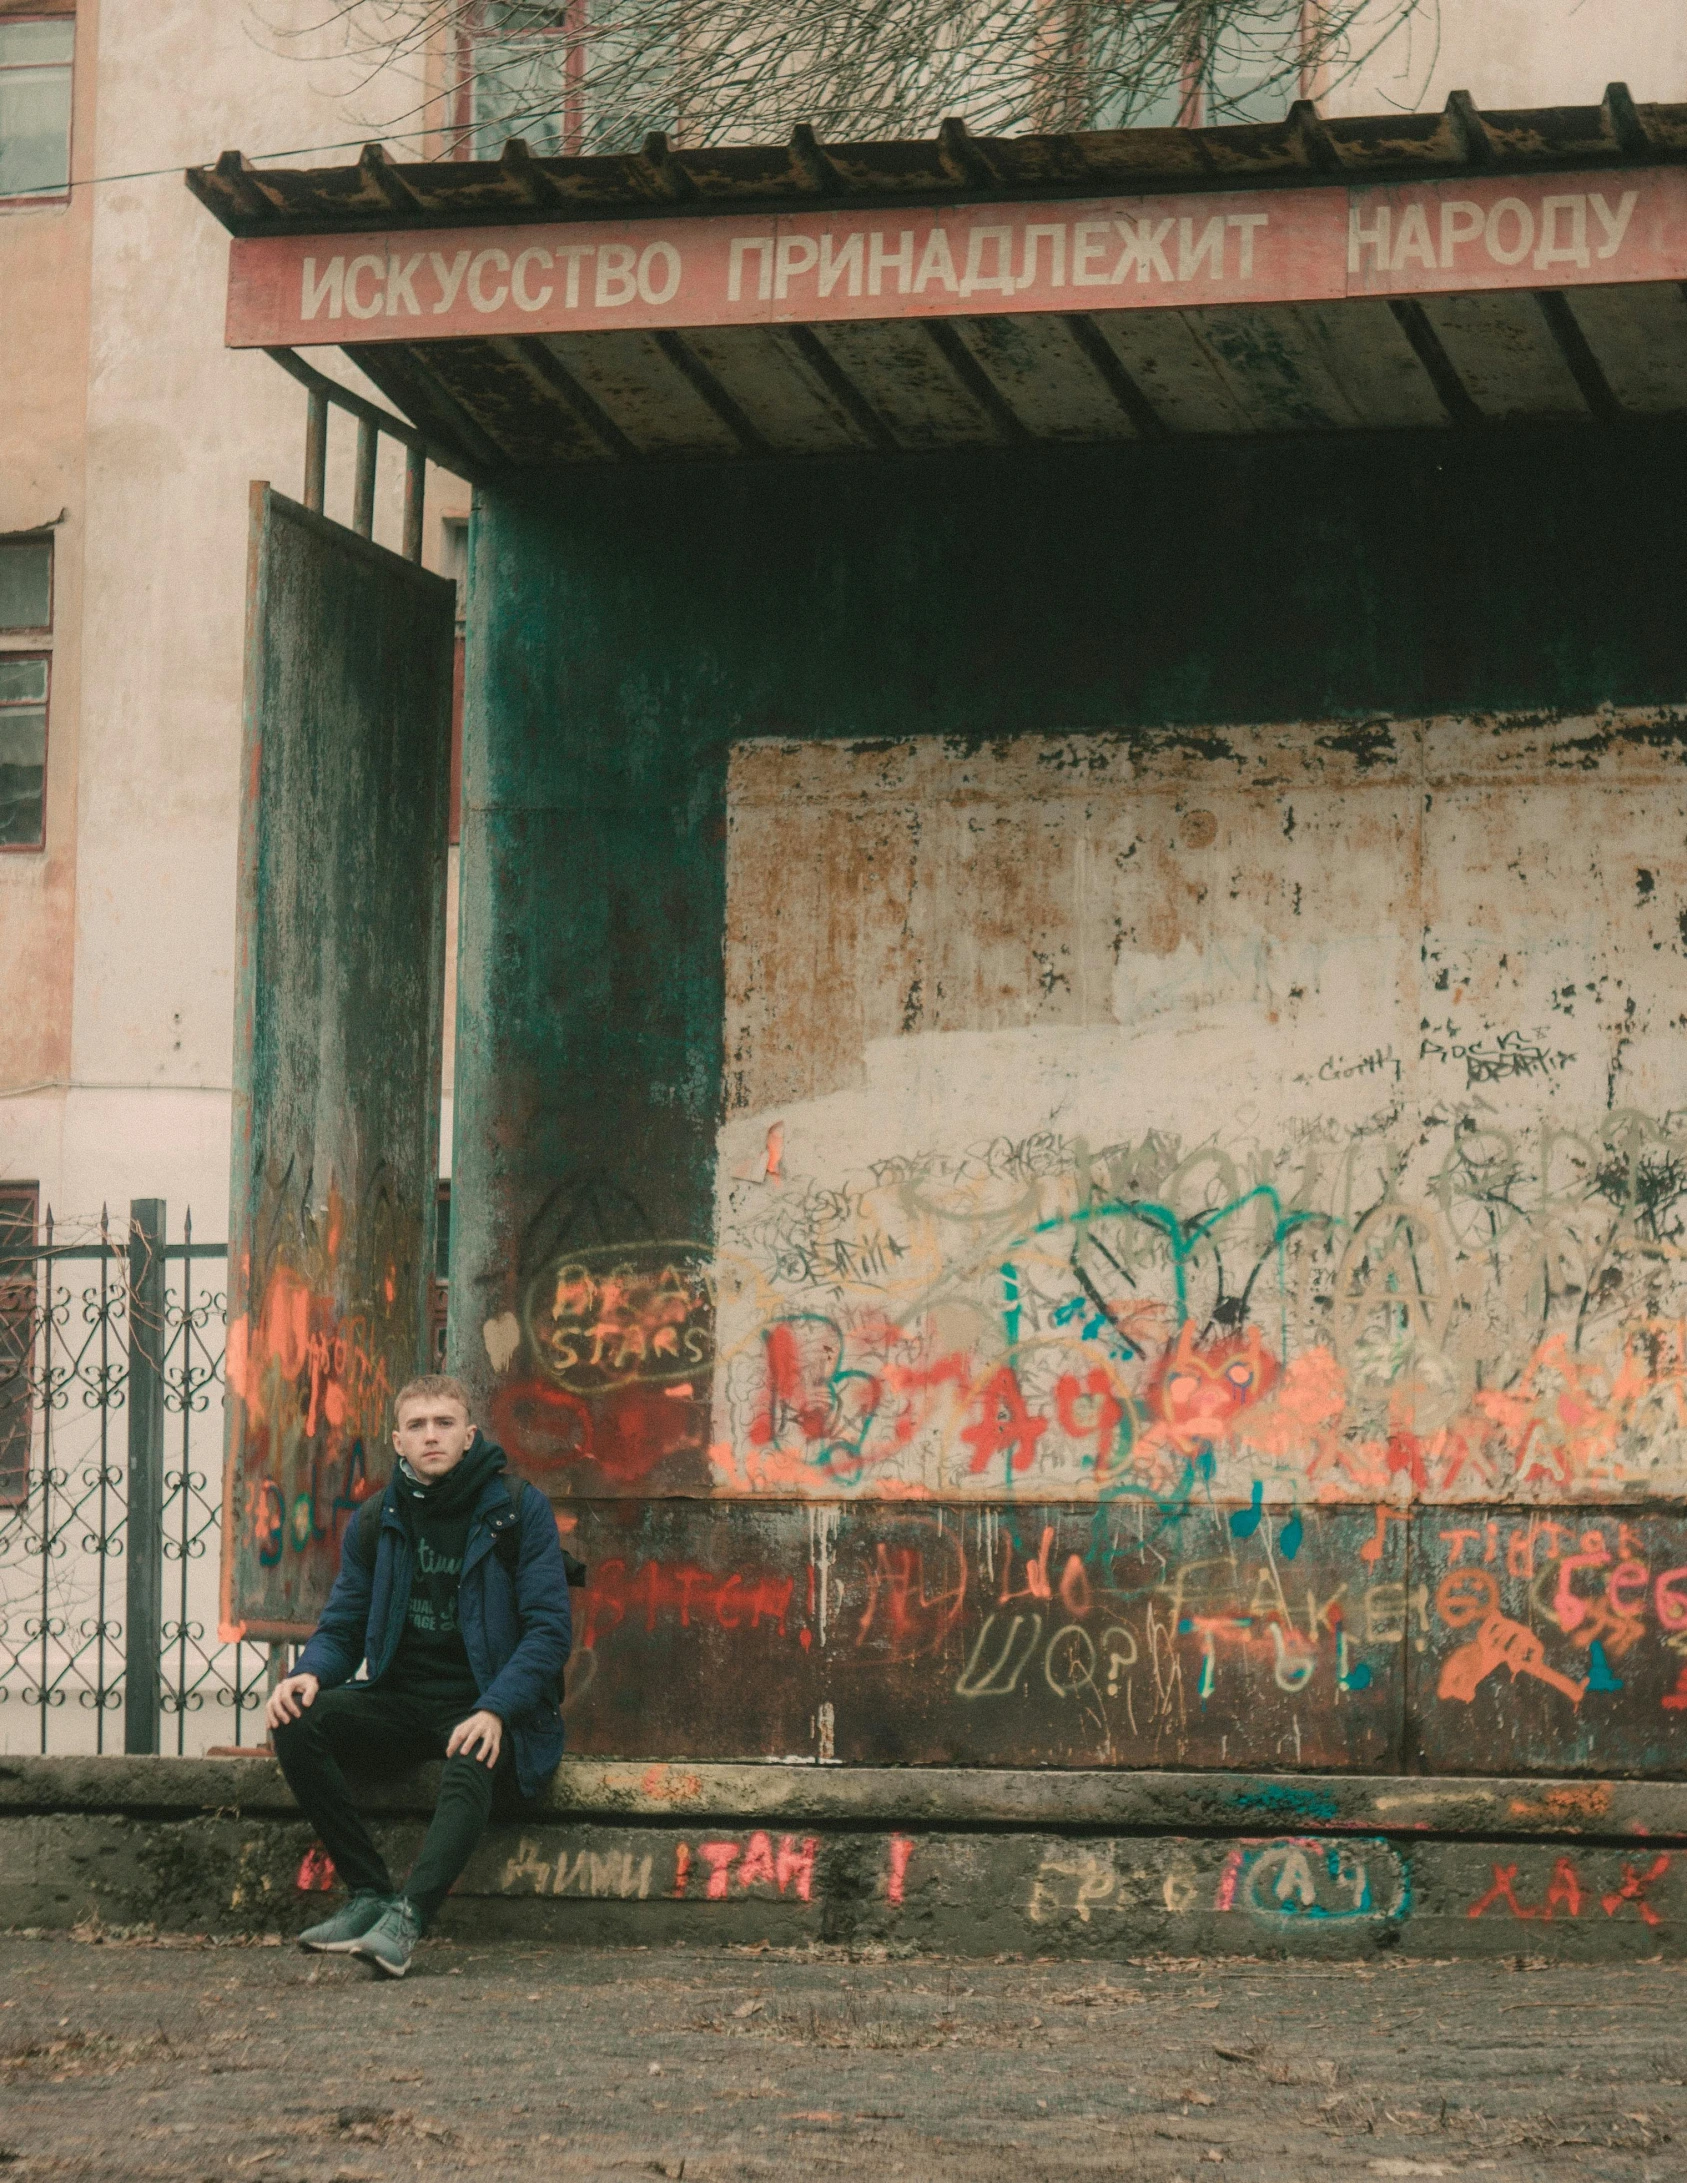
x=1455 y=397
x=1572 y=346
x=962 y=157
x=541 y=360
x=1470 y=131
x=977 y=381
x=670 y=178
x=1620 y=120
x=811 y=170
x=841 y=386
x=1149 y=424
x=375 y=166
x=401 y=363
x=1315 y=139
x=691 y=367
x=519 y=168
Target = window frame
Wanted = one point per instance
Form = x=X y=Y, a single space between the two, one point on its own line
x=11 y=19
x=474 y=29
x=27 y=634
x=9 y=653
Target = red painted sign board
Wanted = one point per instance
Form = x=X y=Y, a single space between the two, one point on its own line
x=1127 y=253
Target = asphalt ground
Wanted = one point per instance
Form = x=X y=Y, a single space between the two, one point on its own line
x=253 y=2064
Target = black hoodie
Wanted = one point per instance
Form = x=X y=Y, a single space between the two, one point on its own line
x=432 y=1662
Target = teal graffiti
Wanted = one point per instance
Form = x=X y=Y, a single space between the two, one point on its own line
x=1010 y=1304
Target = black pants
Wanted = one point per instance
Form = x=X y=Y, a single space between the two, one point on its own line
x=384 y=1732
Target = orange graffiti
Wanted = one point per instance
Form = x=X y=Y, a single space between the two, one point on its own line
x=1500 y=1643
x=1196 y=1393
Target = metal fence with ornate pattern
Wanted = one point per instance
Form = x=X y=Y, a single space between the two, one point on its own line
x=111 y=1425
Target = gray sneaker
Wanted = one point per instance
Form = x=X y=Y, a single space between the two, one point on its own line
x=391 y=1941
x=340 y=1934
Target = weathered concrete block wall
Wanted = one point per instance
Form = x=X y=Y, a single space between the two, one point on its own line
x=1039 y=1864
x=1066 y=1136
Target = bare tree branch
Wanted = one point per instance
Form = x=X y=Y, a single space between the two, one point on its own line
x=599 y=75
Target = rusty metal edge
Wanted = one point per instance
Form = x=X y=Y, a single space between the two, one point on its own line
x=1304 y=149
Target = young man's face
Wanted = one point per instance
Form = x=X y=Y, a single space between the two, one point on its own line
x=433 y=1434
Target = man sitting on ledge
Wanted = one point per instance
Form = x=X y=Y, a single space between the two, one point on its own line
x=454 y=1596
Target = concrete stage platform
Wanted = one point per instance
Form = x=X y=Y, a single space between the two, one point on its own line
x=966 y=1862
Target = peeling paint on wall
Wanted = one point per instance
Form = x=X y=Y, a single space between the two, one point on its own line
x=1290 y=1114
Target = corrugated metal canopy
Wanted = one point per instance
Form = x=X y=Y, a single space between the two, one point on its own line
x=1582 y=318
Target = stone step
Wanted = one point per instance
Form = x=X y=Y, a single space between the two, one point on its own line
x=948 y=1860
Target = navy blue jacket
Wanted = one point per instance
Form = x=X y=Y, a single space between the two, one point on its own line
x=515 y=1627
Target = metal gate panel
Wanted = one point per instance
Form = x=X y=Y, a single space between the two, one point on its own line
x=340 y=953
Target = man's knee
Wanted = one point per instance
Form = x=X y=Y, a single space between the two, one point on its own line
x=314 y=1726
x=468 y=1780
x=296 y=1734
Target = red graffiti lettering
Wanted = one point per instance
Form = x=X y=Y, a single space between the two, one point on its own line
x=1503 y=1891
x=544 y=1427
x=758 y=1863
x=316 y=1871
x=1564 y=1890
x=795 y=1867
x=1668 y=1600
x=901 y=1849
x=682 y=1869
x=1633 y=1890
x=913 y=1594
x=1627 y=1577
x=1567 y=1605
x=1036 y=1585
x=926 y=1381
x=1405 y=1456
x=1371 y=1551
x=1004 y=1426
x=786 y=1396
x=718 y=1856
x=1102 y=1423
x=692 y=1594
x=1075 y=1588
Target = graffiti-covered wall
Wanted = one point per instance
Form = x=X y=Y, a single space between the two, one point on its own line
x=1290 y=1114
x=1068 y=1145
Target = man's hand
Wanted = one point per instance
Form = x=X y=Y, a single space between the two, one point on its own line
x=481 y=1736
x=289 y=1698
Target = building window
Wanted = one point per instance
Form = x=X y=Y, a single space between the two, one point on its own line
x=26 y=585
x=1160 y=67
x=23 y=750
x=1256 y=64
x=19 y=1209
x=35 y=62
x=569 y=78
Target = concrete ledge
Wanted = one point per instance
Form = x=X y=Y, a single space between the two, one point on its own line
x=1041 y=1864
x=918 y=1797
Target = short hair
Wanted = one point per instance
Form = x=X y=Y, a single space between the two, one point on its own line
x=431 y=1387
